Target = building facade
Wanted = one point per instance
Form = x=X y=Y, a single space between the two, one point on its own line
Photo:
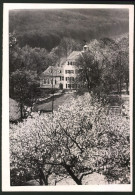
x=64 y=76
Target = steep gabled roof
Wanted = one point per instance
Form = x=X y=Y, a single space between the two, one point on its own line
x=61 y=62
x=53 y=71
x=74 y=55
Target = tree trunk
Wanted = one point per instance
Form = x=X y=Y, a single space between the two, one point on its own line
x=68 y=169
x=40 y=181
x=127 y=88
x=120 y=86
x=43 y=177
x=21 y=110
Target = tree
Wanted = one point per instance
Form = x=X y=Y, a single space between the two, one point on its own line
x=90 y=71
x=109 y=60
x=76 y=141
x=121 y=69
x=14 y=52
x=27 y=58
x=67 y=45
x=25 y=85
x=118 y=55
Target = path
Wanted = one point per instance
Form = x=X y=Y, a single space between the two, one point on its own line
x=57 y=102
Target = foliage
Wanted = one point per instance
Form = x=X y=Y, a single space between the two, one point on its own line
x=79 y=139
x=27 y=58
x=19 y=176
x=90 y=73
x=46 y=28
x=105 y=67
x=24 y=87
x=14 y=112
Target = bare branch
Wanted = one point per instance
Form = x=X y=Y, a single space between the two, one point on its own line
x=71 y=138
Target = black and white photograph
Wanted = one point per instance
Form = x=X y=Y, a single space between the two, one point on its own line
x=67 y=96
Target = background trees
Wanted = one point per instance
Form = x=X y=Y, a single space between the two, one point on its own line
x=105 y=67
x=46 y=28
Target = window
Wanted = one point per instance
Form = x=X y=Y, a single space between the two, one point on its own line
x=59 y=71
x=72 y=71
x=72 y=79
x=67 y=78
x=70 y=63
x=66 y=85
x=55 y=81
x=61 y=78
x=73 y=86
x=76 y=71
x=44 y=81
x=69 y=85
x=69 y=71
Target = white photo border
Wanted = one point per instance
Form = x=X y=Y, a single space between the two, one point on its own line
x=5 y=99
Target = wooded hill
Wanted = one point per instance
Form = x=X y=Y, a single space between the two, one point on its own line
x=46 y=28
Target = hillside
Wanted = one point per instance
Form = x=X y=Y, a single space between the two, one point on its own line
x=45 y=28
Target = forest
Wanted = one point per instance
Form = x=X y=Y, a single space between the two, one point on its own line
x=46 y=28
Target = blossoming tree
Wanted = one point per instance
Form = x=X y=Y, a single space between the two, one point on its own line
x=77 y=140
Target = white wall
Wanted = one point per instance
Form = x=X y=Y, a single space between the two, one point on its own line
x=68 y=67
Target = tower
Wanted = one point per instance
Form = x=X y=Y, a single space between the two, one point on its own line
x=85 y=48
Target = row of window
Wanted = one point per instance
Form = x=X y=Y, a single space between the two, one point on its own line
x=70 y=78
x=71 y=63
x=54 y=71
x=69 y=71
x=72 y=86
x=61 y=78
x=48 y=81
x=72 y=71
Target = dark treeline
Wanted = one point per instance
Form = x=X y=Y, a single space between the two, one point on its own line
x=46 y=28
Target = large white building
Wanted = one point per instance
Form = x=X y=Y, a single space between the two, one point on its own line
x=63 y=76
